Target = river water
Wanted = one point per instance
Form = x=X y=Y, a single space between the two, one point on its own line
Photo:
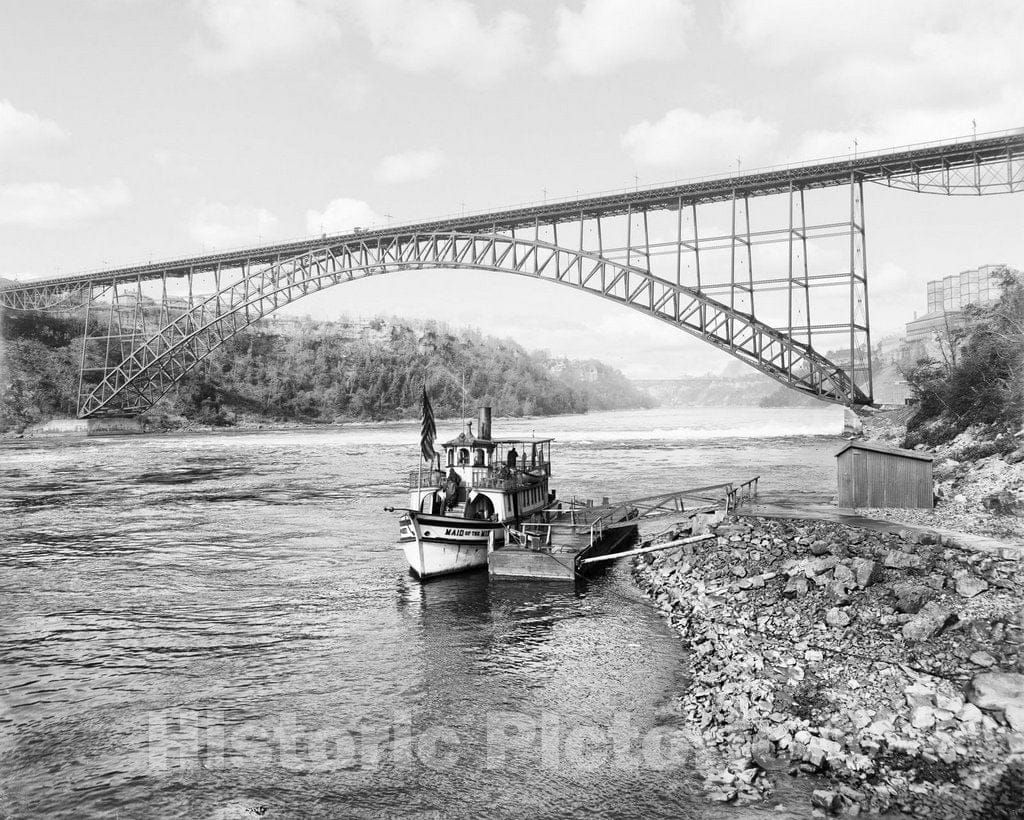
x=221 y=625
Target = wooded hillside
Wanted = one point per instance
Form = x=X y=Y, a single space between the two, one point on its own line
x=321 y=372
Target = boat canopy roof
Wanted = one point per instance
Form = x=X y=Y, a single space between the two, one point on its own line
x=462 y=440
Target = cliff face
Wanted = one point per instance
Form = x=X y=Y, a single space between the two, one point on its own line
x=601 y=386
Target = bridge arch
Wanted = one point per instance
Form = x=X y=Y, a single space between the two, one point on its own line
x=156 y=363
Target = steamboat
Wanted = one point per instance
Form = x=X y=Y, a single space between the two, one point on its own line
x=474 y=492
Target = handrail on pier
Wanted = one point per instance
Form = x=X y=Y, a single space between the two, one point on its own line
x=746 y=491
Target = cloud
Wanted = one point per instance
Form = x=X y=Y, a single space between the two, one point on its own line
x=413 y=35
x=410 y=166
x=605 y=35
x=696 y=143
x=25 y=131
x=47 y=204
x=877 y=56
x=445 y=35
x=341 y=216
x=216 y=225
x=243 y=33
x=907 y=127
x=786 y=31
x=351 y=90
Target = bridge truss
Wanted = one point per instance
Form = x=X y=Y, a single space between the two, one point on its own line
x=786 y=294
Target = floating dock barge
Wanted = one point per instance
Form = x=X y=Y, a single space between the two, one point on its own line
x=573 y=535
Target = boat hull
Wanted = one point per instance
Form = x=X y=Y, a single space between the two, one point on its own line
x=439 y=545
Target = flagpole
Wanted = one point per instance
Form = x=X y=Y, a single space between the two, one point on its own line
x=419 y=486
x=428 y=432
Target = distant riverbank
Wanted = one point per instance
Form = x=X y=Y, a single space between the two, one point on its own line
x=313 y=372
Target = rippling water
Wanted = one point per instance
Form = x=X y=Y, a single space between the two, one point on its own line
x=221 y=626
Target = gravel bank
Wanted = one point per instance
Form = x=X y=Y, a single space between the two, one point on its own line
x=819 y=650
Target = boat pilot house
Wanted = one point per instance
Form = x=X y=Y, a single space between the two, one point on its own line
x=875 y=475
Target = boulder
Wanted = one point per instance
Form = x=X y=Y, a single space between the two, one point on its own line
x=923 y=717
x=897 y=559
x=910 y=597
x=837 y=618
x=844 y=574
x=820 y=566
x=880 y=727
x=980 y=629
x=839 y=590
x=983 y=658
x=828 y=747
x=997 y=690
x=1015 y=717
x=866 y=572
x=919 y=694
x=968 y=586
x=969 y=713
x=796 y=587
x=931 y=620
x=819 y=548
x=827 y=801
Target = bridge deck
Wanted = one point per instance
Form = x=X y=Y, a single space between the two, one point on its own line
x=878 y=167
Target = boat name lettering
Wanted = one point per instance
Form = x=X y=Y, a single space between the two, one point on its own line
x=462 y=532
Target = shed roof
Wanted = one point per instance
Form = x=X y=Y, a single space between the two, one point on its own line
x=875 y=447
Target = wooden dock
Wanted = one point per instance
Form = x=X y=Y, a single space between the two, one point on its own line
x=551 y=549
x=558 y=546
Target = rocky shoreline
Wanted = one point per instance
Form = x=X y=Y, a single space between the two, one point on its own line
x=888 y=669
x=979 y=481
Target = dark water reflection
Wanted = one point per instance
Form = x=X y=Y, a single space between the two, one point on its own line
x=199 y=625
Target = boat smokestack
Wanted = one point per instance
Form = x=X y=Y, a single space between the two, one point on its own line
x=469 y=429
x=484 y=427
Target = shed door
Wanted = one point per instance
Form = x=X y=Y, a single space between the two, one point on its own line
x=861 y=484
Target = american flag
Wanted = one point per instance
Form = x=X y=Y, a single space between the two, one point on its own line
x=427 y=429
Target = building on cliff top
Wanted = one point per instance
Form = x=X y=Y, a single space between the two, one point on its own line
x=947 y=297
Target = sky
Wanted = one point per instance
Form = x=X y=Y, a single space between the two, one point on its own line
x=148 y=129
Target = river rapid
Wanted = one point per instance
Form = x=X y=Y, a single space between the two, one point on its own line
x=221 y=625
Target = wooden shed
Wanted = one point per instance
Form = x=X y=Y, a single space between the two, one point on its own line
x=876 y=475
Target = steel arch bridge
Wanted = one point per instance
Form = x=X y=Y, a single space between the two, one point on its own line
x=644 y=249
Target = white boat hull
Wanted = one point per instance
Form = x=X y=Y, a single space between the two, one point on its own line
x=436 y=545
x=431 y=560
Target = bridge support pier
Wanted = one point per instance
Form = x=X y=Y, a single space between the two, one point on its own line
x=96 y=426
